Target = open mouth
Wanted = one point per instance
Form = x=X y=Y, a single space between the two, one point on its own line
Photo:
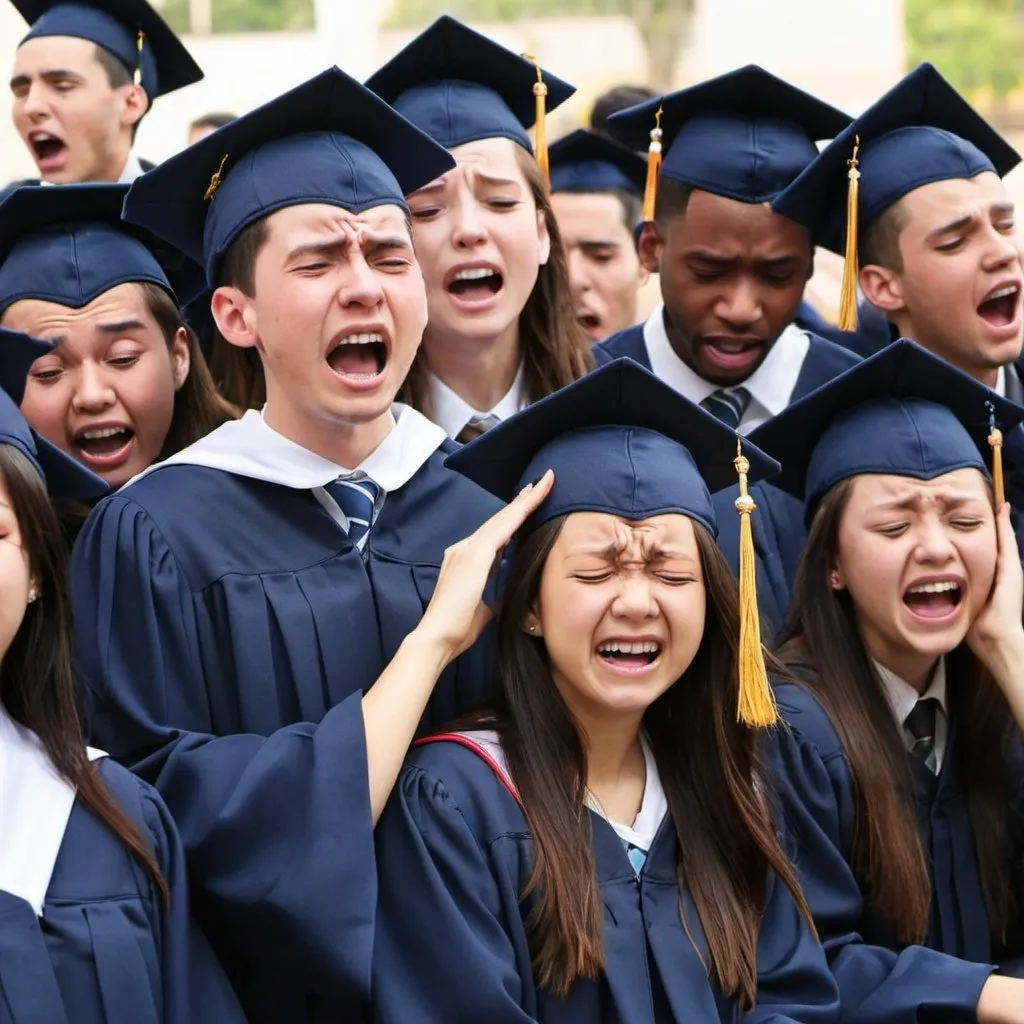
x=934 y=600
x=104 y=446
x=588 y=321
x=999 y=308
x=733 y=353
x=475 y=284
x=629 y=655
x=47 y=148
x=360 y=357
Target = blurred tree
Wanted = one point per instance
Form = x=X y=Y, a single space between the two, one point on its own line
x=244 y=15
x=662 y=24
x=976 y=44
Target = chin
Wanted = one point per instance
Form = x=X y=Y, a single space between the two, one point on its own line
x=937 y=644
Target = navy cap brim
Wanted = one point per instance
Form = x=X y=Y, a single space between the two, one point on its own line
x=449 y=51
x=18 y=351
x=33 y=209
x=175 y=66
x=171 y=200
x=584 y=161
x=903 y=370
x=922 y=99
x=619 y=394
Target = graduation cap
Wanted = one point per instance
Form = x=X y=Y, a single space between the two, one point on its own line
x=63 y=476
x=68 y=244
x=584 y=161
x=129 y=29
x=921 y=131
x=902 y=412
x=459 y=86
x=622 y=441
x=744 y=135
x=329 y=140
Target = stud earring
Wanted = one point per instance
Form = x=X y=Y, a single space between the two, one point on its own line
x=835 y=581
x=33 y=596
x=532 y=629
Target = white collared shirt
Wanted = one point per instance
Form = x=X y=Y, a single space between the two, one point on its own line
x=251 y=448
x=453 y=413
x=903 y=697
x=132 y=170
x=771 y=385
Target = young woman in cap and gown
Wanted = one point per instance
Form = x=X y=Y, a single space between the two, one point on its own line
x=501 y=330
x=901 y=771
x=95 y=925
x=599 y=845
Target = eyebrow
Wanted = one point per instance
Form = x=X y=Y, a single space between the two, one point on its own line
x=1001 y=208
x=949 y=500
x=651 y=553
x=336 y=247
x=494 y=180
x=46 y=76
x=120 y=326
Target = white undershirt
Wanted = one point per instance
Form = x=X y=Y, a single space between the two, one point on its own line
x=453 y=412
x=903 y=697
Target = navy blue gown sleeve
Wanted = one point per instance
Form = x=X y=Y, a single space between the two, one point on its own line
x=877 y=985
x=442 y=952
x=277 y=829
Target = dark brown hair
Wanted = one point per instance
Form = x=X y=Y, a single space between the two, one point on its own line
x=672 y=199
x=879 y=241
x=38 y=687
x=555 y=350
x=118 y=75
x=823 y=648
x=710 y=769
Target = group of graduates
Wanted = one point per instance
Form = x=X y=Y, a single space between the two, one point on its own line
x=444 y=659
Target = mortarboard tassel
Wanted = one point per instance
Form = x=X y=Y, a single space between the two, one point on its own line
x=211 y=189
x=995 y=440
x=139 y=43
x=540 y=95
x=757 y=707
x=848 y=292
x=653 y=168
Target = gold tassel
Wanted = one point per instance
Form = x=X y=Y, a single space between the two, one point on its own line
x=851 y=270
x=540 y=145
x=757 y=707
x=653 y=168
x=139 y=42
x=211 y=189
x=995 y=440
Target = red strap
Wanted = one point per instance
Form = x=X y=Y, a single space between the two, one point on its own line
x=471 y=744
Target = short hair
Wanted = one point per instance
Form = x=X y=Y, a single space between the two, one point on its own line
x=118 y=75
x=618 y=98
x=879 y=240
x=238 y=266
x=215 y=120
x=671 y=202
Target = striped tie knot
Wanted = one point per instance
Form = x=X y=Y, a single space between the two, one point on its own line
x=357 y=498
x=920 y=724
x=475 y=427
x=728 y=406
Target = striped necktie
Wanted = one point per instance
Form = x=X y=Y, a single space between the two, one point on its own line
x=920 y=724
x=475 y=427
x=727 y=406
x=357 y=497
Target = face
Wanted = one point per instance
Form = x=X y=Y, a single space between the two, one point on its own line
x=604 y=269
x=481 y=241
x=732 y=276
x=105 y=394
x=621 y=609
x=75 y=124
x=960 y=287
x=918 y=558
x=16 y=583
x=337 y=316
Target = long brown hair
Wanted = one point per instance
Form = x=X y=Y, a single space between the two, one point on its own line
x=37 y=686
x=822 y=647
x=710 y=769
x=554 y=348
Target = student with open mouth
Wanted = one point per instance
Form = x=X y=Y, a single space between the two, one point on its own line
x=502 y=330
x=124 y=383
x=902 y=771
x=597 y=846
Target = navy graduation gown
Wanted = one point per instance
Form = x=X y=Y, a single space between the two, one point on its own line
x=226 y=629
x=872 y=335
x=105 y=951
x=453 y=856
x=628 y=342
x=880 y=982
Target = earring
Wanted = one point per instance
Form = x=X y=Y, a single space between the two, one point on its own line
x=532 y=629
x=835 y=580
x=33 y=595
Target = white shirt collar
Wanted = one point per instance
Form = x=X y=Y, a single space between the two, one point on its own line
x=771 y=385
x=902 y=698
x=35 y=806
x=132 y=169
x=453 y=412
x=249 y=447
x=1000 y=388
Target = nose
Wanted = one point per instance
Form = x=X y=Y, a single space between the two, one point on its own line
x=579 y=279
x=362 y=287
x=741 y=305
x=93 y=392
x=1005 y=250
x=468 y=230
x=934 y=544
x=635 y=599
x=34 y=104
